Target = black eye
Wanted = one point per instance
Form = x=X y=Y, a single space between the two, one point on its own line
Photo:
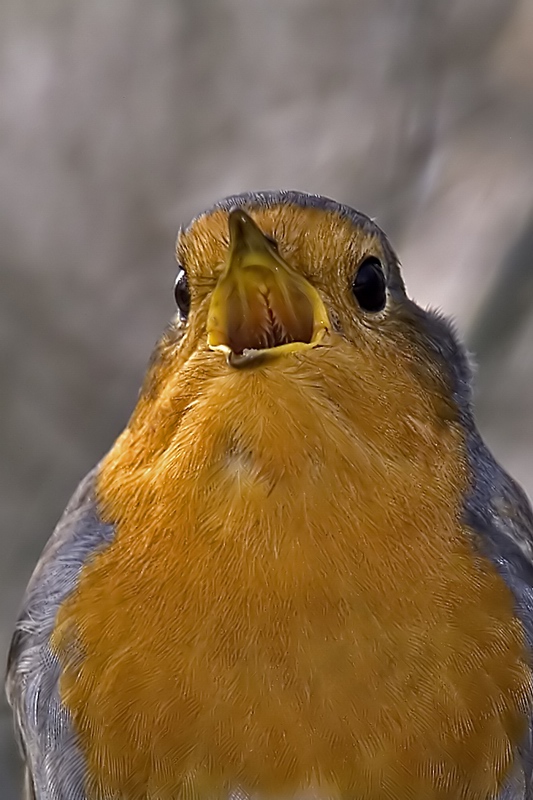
x=369 y=287
x=181 y=293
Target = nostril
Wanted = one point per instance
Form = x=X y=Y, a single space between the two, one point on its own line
x=335 y=321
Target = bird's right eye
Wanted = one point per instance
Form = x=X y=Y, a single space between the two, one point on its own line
x=369 y=286
x=182 y=295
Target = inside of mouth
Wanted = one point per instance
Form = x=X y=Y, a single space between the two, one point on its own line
x=268 y=318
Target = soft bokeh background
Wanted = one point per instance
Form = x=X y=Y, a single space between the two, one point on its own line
x=120 y=119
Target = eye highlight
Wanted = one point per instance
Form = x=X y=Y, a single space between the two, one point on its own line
x=182 y=295
x=369 y=286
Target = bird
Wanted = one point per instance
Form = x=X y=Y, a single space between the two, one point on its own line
x=299 y=572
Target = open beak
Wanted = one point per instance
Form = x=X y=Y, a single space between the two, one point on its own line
x=261 y=307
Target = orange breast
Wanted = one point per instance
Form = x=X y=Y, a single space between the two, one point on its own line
x=291 y=600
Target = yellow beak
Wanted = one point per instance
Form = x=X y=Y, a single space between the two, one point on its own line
x=261 y=307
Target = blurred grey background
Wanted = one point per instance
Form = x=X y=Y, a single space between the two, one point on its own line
x=120 y=120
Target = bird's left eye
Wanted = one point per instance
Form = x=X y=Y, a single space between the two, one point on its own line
x=182 y=294
x=369 y=286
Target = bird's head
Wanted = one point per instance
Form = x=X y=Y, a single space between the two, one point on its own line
x=266 y=279
x=292 y=283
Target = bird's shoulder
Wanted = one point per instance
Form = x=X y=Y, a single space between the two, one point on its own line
x=502 y=514
x=499 y=512
x=33 y=671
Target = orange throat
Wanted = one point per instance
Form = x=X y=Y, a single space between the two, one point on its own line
x=291 y=600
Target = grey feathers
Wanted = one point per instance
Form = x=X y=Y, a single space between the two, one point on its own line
x=55 y=768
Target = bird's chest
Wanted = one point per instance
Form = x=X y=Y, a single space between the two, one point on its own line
x=288 y=659
x=313 y=619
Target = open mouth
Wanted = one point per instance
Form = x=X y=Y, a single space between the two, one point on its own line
x=261 y=307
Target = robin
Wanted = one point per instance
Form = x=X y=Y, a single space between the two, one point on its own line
x=299 y=572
